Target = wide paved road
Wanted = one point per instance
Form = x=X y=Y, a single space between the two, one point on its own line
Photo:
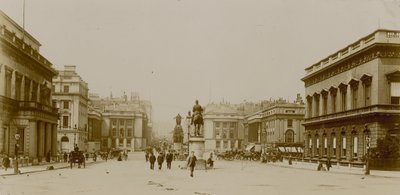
x=236 y=177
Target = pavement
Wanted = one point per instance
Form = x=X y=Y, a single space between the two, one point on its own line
x=337 y=169
x=41 y=167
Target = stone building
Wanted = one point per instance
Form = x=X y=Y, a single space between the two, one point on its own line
x=70 y=94
x=223 y=128
x=278 y=124
x=25 y=94
x=95 y=118
x=353 y=95
x=126 y=123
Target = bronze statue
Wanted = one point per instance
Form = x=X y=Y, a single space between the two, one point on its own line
x=197 y=118
x=178 y=131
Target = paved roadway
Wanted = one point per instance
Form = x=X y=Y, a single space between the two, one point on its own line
x=229 y=177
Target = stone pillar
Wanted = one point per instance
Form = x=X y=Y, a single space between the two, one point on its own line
x=133 y=144
x=38 y=93
x=2 y=81
x=13 y=82
x=124 y=142
x=33 y=139
x=41 y=132
x=54 y=142
x=22 y=96
x=30 y=91
x=116 y=143
x=48 y=138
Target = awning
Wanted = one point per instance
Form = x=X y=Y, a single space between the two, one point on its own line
x=249 y=147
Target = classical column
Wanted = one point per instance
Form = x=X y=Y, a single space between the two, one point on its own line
x=41 y=141
x=48 y=138
x=30 y=91
x=54 y=142
x=33 y=139
x=38 y=93
x=2 y=80
x=13 y=81
x=22 y=96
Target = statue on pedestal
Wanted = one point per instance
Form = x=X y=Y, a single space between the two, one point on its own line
x=197 y=118
x=178 y=131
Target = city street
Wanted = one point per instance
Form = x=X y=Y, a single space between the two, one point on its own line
x=228 y=177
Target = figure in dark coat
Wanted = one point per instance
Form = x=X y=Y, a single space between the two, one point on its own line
x=192 y=163
x=169 y=159
x=160 y=160
x=152 y=160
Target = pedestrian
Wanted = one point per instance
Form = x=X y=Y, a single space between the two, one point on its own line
x=48 y=156
x=160 y=160
x=152 y=160
x=169 y=159
x=192 y=163
x=6 y=162
x=65 y=157
x=147 y=156
x=87 y=156
x=328 y=164
x=210 y=160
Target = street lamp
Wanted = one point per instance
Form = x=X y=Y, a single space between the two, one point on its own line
x=17 y=136
x=188 y=121
x=367 y=144
x=75 y=129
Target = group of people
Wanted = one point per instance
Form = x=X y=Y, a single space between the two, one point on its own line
x=169 y=157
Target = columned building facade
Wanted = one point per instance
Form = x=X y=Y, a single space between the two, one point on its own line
x=25 y=95
x=70 y=93
x=223 y=128
x=353 y=95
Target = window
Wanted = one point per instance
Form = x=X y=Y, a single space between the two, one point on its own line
x=316 y=105
x=343 y=145
x=66 y=88
x=367 y=94
x=395 y=92
x=53 y=88
x=290 y=123
x=343 y=96
x=333 y=102
x=114 y=122
x=65 y=122
x=325 y=145
x=324 y=102
x=217 y=124
x=334 y=144
x=232 y=125
x=289 y=136
x=225 y=144
x=309 y=107
x=121 y=132
x=354 y=94
x=232 y=144
x=224 y=134
x=121 y=122
x=231 y=133
x=217 y=134
x=355 y=145
x=218 y=144
x=317 y=145
x=114 y=132
x=129 y=132
x=66 y=104
x=129 y=122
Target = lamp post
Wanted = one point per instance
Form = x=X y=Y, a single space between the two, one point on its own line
x=188 y=121
x=75 y=129
x=367 y=144
x=17 y=136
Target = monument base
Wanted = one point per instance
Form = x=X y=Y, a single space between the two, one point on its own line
x=197 y=145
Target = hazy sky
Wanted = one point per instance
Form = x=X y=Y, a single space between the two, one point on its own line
x=176 y=51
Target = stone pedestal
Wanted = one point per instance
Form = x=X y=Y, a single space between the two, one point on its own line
x=177 y=147
x=196 y=144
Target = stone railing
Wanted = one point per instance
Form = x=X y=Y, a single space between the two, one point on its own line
x=29 y=105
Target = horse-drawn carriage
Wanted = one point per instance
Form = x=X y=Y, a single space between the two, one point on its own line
x=77 y=157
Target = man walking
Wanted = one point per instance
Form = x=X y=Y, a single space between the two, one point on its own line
x=169 y=159
x=192 y=163
x=160 y=160
x=152 y=160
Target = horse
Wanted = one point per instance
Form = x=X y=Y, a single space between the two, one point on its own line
x=198 y=122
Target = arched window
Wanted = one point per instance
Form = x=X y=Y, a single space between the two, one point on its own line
x=64 y=139
x=333 y=135
x=289 y=136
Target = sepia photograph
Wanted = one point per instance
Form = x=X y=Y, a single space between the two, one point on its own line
x=199 y=97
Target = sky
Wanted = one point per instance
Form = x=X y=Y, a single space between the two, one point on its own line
x=176 y=51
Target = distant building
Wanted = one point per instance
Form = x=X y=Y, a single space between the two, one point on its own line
x=25 y=94
x=95 y=119
x=126 y=123
x=70 y=93
x=353 y=96
x=223 y=128
x=279 y=124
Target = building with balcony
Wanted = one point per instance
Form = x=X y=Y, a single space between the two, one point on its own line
x=353 y=95
x=25 y=95
x=70 y=94
x=126 y=123
x=278 y=125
